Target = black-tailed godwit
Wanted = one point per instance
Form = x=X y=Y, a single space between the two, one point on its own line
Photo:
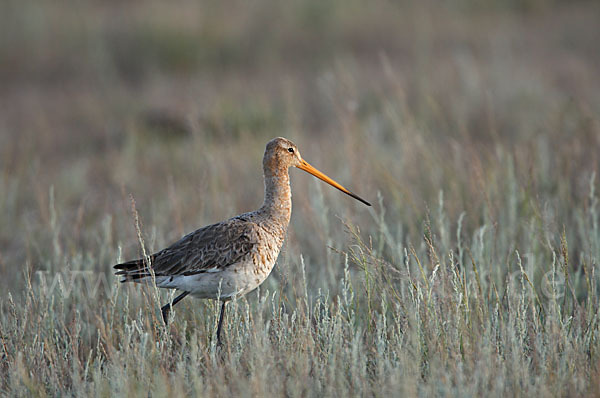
x=233 y=257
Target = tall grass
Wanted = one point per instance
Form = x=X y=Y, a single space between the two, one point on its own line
x=474 y=131
x=428 y=320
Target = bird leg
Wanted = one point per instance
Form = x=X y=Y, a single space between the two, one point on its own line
x=167 y=307
x=220 y=323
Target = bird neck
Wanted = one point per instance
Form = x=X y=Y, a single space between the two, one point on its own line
x=278 y=196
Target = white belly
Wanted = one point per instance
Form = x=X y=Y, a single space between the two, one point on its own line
x=235 y=280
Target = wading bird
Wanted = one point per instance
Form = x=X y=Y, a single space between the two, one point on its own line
x=233 y=257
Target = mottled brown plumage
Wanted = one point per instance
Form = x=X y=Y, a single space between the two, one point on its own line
x=233 y=257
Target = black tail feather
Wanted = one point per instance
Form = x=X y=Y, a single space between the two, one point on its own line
x=133 y=270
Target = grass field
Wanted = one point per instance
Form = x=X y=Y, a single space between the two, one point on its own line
x=473 y=128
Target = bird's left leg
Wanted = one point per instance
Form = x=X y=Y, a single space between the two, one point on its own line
x=167 y=307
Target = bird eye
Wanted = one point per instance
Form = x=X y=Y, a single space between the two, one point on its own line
x=291 y=150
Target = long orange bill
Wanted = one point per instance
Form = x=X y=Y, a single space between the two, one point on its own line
x=310 y=169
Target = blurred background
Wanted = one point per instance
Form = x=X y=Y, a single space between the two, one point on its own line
x=473 y=126
x=484 y=107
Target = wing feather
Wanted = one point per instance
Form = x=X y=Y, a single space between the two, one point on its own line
x=207 y=249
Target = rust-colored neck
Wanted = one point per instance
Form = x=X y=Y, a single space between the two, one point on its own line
x=278 y=194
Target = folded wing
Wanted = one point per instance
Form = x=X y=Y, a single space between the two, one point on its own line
x=208 y=249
